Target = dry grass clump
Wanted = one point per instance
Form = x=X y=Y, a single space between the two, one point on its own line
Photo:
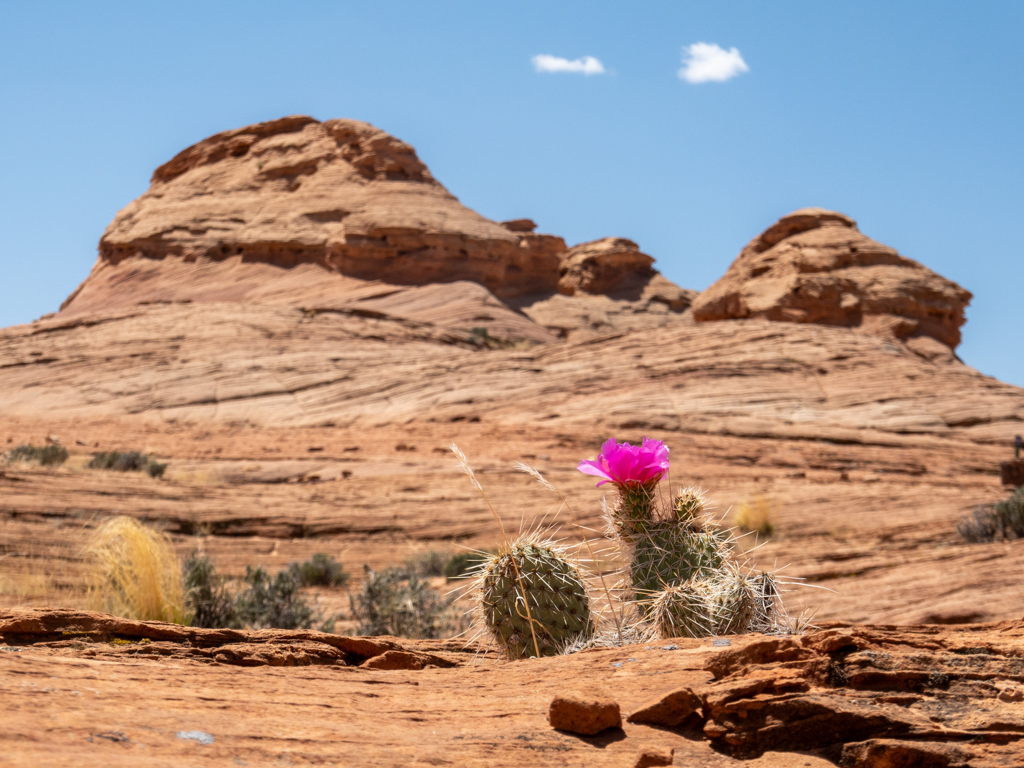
x=757 y=516
x=135 y=573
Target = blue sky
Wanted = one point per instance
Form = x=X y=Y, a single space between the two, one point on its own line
x=907 y=116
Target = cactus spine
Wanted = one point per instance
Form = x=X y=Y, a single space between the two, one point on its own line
x=554 y=591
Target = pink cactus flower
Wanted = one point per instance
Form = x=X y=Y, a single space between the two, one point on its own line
x=628 y=465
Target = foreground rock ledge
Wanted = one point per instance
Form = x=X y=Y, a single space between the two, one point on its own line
x=846 y=695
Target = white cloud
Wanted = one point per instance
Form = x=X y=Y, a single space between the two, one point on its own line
x=708 y=62
x=588 y=65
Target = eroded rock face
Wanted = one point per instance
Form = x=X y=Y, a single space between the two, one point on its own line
x=814 y=266
x=339 y=194
x=601 y=266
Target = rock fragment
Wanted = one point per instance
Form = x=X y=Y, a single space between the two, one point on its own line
x=394 y=660
x=668 y=710
x=585 y=714
x=650 y=757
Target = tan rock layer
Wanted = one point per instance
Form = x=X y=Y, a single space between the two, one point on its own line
x=341 y=194
x=813 y=266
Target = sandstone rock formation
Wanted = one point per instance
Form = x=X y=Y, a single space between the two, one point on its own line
x=340 y=216
x=814 y=266
x=341 y=194
x=867 y=696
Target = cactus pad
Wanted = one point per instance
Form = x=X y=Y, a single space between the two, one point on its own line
x=733 y=602
x=684 y=610
x=670 y=552
x=555 y=593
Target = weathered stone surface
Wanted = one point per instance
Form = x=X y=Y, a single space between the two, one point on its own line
x=849 y=695
x=341 y=195
x=604 y=265
x=302 y=409
x=813 y=266
x=583 y=713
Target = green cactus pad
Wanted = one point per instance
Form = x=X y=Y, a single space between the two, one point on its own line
x=723 y=604
x=635 y=509
x=768 y=603
x=689 y=504
x=684 y=610
x=733 y=602
x=671 y=552
x=555 y=593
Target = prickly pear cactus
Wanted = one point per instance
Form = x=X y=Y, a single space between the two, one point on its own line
x=680 y=574
x=554 y=591
x=663 y=549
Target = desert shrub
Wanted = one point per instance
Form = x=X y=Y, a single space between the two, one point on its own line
x=273 y=601
x=134 y=573
x=320 y=570
x=429 y=563
x=128 y=461
x=757 y=516
x=47 y=455
x=1003 y=520
x=462 y=564
x=207 y=600
x=397 y=602
x=264 y=602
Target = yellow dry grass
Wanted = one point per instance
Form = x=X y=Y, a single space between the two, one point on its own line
x=757 y=516
x=134 y=573
x=25 y=587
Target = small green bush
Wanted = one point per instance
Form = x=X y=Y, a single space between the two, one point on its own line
x=47 y=455
x=129 y=461
x=320 y=570
x=429 y=563
x=1003 y=520
x=273 y=602
x=462 y=564
x=397 y=602
x=265 y=601
x=207 y=600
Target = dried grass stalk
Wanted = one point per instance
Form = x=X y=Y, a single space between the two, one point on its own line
x=135 y=573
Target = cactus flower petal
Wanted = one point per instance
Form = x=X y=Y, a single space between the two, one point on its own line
x=627 y=465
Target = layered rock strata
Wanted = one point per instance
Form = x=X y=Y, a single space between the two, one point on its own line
x=339 y=194
x=340 y=216
x=814 y=266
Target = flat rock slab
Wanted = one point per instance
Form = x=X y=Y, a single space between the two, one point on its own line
x=847 y=694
